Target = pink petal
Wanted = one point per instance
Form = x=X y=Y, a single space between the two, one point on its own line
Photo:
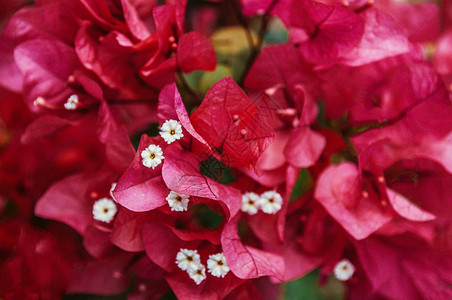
x=195 y=52
x=332 y=29
x=335 y=185
x=46 y=66
x=172 y=107
x=181 y=174
x=381 y=39
x=230 y=123
x=104 y=277
x=126 y=232
x=43 y=127
x=110 y=61
x=162 y=245
x=97 y=242
x=141 y=188
x=135 y=24
x=65 y=201
x=406 y=209
x=304 y=147
x=273 y=156
x=247 y=262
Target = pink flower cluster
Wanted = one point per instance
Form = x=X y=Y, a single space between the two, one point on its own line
x=147 y=149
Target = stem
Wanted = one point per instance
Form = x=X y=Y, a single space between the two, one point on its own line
x=256 y=49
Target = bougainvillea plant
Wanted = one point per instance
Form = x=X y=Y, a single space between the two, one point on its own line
x=226 y=149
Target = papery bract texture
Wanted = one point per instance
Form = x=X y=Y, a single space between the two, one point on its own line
x=339 y=191
x=231 y=124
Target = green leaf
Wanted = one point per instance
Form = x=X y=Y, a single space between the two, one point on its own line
x=303 y=184
x=206 y=217
x=308 y=288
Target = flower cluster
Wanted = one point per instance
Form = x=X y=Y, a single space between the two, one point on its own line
x=269 y=202
x=226 y=149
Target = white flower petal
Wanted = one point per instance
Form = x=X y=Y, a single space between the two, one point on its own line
x=270 y=202
x=198 y=274
x=217 y=265
x=171 y=131
x=250 y=203
x=187 y=259
x=344 y=270
x=104 y=210
x=152 y=156
x=177 y=202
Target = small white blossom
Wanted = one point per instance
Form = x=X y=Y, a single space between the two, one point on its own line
x=188 y=260
x=171 y=130
x=104 y=210
x=177 y=202
x=250 y=203
x=198 y=274
x=152 y=156
x=270 y=202
x=72 y=102
x=217 y=265
x=344 y=270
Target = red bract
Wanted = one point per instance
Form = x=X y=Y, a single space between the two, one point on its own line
x=328 y=34
x=408 y=270
x=181 y=174
x=249 y=262
x=407 y=136
x=162 y=246
x=280 y=67
x=114 y=45
x=304 y=147
x=42 y=76
x=36 y=264
x=339 y=191
x=171 y=107
x=141 y=188
x=287 y=105
x=381 y=39
x=409 y=16
x=78 y=193
x=312 y=238
x=106 y=276
x=426 y=184
x=406 y=209
x=442 y=59
x=390 y=99
x=231 y=124
x=195 y=52
x=324 y=33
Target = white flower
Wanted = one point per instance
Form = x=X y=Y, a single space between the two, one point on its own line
x=270 y=202
x=250 y=203
x=177 y=202
x=198 y=274
x=171 y=130
x=104 y=210
x=344 y=270
x=217 y=265
x=152 y=156
x=71 y=103
x=188 y=260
